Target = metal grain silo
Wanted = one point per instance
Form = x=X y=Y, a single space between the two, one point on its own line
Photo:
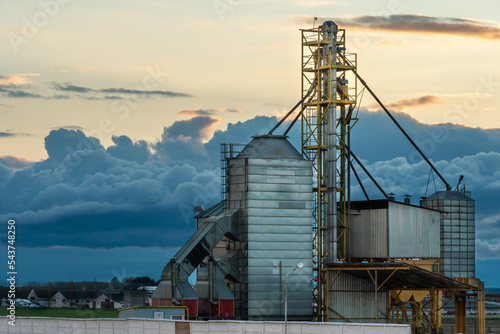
x=270 y=182
x=457 y=232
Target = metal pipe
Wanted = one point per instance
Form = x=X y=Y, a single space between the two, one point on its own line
x=173 y=277
x=293 y=109
x=448 y=187
x=360 y=183
x=348 y=230
x=298 y=266
x=281 y=287
x=210 y=279
x=367 y=173
x=298 y=115
x=331 y=113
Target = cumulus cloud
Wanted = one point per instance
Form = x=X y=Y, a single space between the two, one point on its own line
x=126 y=149
x=83 y=195
x=131 y=193
x=420 y=24
x=438 y=141
x=15 y=163
x=182 y=142
x=487 y=251
x=196 y=129
x=141 y=194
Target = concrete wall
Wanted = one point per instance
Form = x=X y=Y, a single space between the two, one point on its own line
x=31 y=325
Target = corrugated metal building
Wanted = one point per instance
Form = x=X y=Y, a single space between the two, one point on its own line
x=387 y=229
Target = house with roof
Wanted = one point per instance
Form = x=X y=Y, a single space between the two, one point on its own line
x=79 y=299
x=42 y=296
x=58 y=300
x=103 y=302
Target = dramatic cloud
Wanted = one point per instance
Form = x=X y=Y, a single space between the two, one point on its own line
x=195 y=129
x=438 y=142
x=205 y=112
x=139 y=194
x=409 y=103
x=82 y=193
x=121 y=92
x=182 y=142
x=126 y=149
x=420 y=24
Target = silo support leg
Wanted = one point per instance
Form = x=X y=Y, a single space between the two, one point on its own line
x=436 y=305
x=481 y=311
x=460 y=313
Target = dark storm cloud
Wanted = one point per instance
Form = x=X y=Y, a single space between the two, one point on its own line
x=420 y=24
x=141 y=194
x=126 y=149
x=121 y=92
x=438 y=141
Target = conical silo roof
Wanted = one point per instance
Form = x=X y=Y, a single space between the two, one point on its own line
x=270 y=147
x=448 y=195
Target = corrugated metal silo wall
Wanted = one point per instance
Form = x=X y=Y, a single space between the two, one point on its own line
x=457 y=236
x=278 y=214
x=399 y=231
x=354 y=298
x=413 y=232
x=236 y=199
x=369 y=234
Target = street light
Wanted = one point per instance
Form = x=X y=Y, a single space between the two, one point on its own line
x=298 y=266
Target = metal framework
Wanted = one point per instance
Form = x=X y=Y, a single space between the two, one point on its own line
x=326 y=123
x=414 y=294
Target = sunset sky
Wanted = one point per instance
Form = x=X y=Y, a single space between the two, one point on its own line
x=165 y=75
x=238 y=58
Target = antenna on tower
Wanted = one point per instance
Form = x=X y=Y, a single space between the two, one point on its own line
x=314 y=21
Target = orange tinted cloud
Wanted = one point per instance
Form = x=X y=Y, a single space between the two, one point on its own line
x=409 y=103
x=16 y=79
x=206 y=112
x=420 y=24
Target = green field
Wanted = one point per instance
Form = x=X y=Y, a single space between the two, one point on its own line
x=61 y=313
